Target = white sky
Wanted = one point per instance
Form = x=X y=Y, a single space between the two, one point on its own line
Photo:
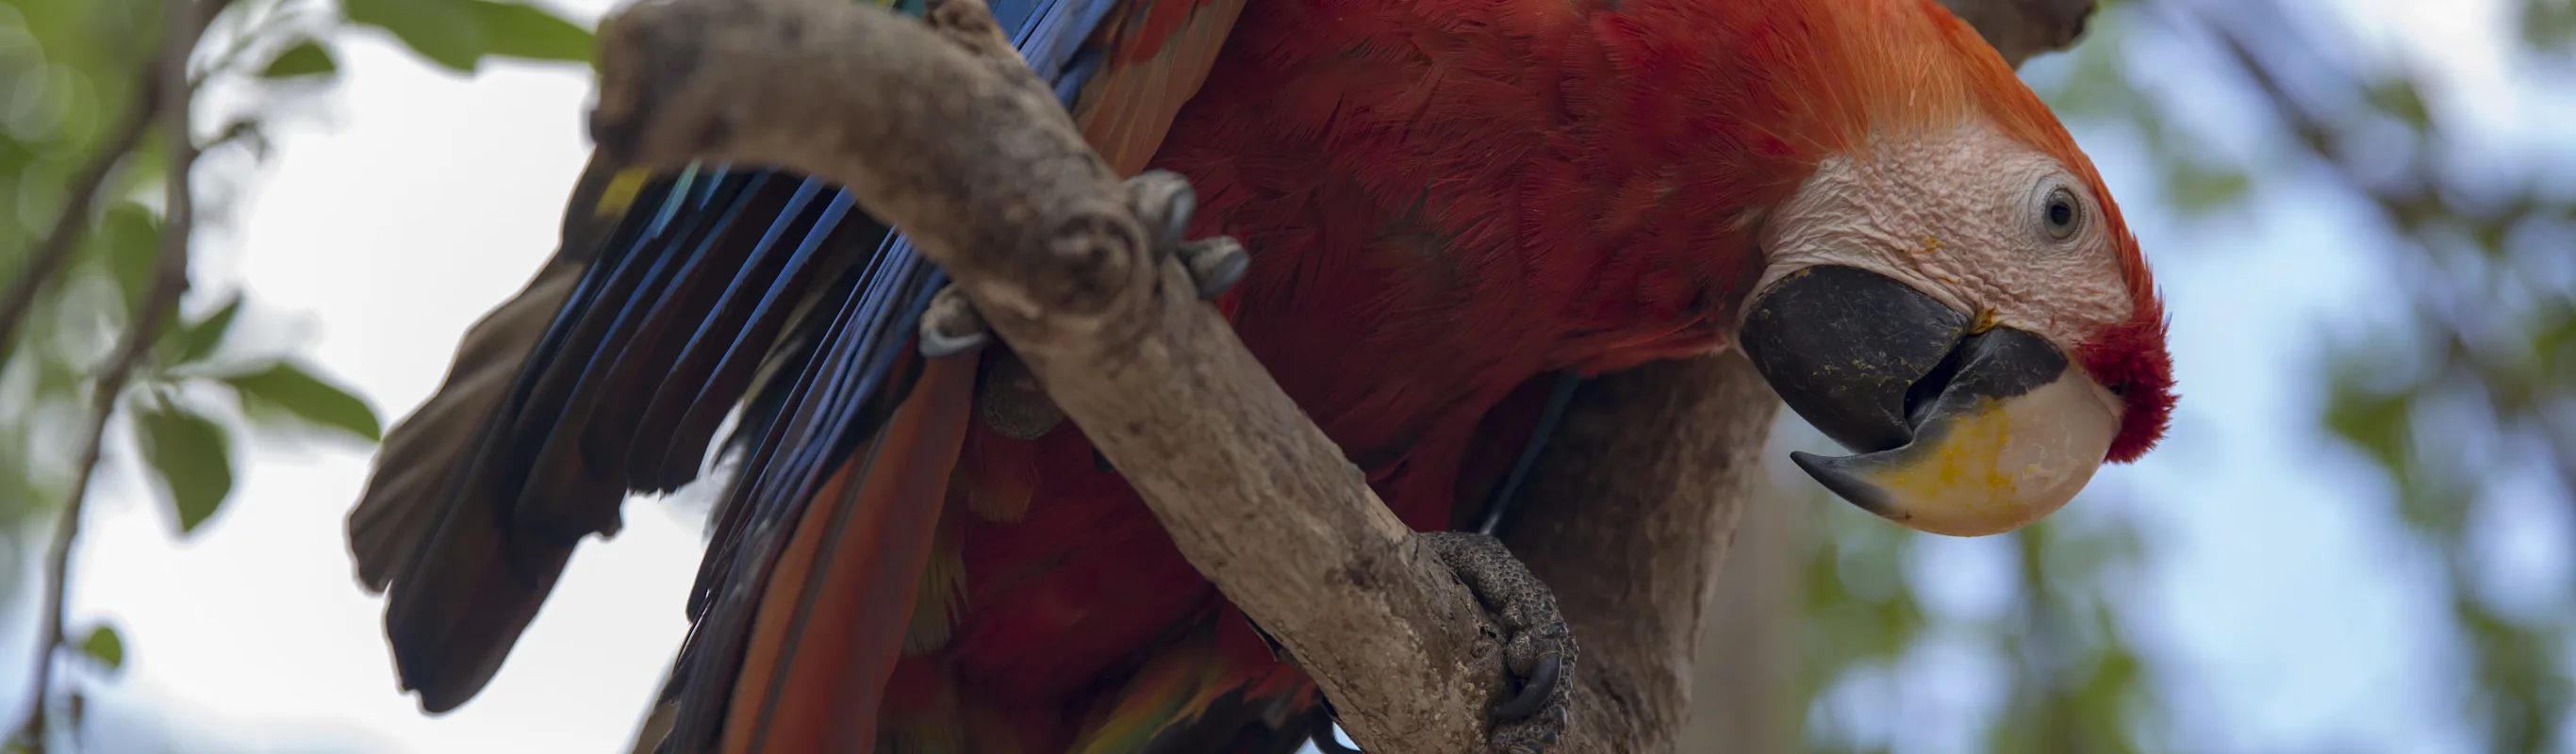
x=2289 y=611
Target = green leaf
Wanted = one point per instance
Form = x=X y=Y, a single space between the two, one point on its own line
x=2196 y=188
x=306 y=58
x=192 y=456
x=530 y=32
x=448 y=32
x=105 y=647
x=290 y=388
x=131 y=237
x=200 y=339
x=2399 y=99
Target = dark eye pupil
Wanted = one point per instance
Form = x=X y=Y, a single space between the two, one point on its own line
x=2059 y=214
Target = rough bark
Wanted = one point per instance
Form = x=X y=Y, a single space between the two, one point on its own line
x=952 y=139
x=1743 y=698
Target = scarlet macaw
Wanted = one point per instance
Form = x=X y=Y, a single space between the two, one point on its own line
x=1451 y=201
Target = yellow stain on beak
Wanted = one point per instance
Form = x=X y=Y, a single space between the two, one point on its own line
x=1966 y=459
x=1987 y=467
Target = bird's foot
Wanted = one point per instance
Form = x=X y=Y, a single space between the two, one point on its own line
x=1538 y=648
x=1163 y=200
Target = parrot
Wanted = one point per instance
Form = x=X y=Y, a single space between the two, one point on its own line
x=1455 y=210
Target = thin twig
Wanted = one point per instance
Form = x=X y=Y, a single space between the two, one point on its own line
x=74 y=220
x=169 y=280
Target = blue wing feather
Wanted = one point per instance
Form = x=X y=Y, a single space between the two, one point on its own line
x=834 y=379
x=716 y=287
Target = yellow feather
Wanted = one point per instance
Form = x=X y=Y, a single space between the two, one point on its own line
x=621 y=191
x=1173 y=687
x=942 y=596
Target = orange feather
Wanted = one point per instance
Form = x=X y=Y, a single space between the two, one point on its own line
x=831 y=621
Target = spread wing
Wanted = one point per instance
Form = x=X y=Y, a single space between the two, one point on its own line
x=673 y=303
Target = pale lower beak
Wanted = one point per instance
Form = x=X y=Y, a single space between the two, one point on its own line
x=1982 y=463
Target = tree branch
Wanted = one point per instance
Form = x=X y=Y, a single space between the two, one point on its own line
x=1628 y=516
x=975 y=159
x=954 y=141
x=2020 y=29
x=169 y=83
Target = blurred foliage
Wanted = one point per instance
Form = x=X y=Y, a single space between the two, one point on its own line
x=72 y=73
x=2463 y=397
x=2068 y=682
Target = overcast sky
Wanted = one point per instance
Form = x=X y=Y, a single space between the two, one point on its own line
x=2290 y=612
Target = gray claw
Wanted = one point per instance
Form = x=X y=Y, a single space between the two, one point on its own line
x=951 y=326
x=1216 y=264
x=1536 y=692
x=1165 y=201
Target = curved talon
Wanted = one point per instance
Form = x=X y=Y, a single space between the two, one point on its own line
x=1176 y=217
x=939 y=345
x=1539 y=651
x=1216 y=264
x=951 y=326
x=1536 y=691
x=1163 y=200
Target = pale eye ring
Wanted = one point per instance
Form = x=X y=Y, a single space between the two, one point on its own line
x=2061 y=214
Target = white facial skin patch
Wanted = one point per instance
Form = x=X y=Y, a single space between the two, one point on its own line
x=1977 y=220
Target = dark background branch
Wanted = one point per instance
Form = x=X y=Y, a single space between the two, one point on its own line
x=1635 y=505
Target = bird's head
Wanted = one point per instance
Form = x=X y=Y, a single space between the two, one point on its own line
x=1953 y=296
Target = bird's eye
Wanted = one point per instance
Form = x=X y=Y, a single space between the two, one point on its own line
x=2060 y=214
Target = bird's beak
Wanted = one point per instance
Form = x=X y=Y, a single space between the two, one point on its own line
x=1962 y=429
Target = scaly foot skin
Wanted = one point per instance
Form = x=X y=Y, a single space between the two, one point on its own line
x=1538 y=648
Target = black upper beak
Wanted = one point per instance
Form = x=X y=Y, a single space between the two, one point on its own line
x=1959 y=429
x=1844 y=346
